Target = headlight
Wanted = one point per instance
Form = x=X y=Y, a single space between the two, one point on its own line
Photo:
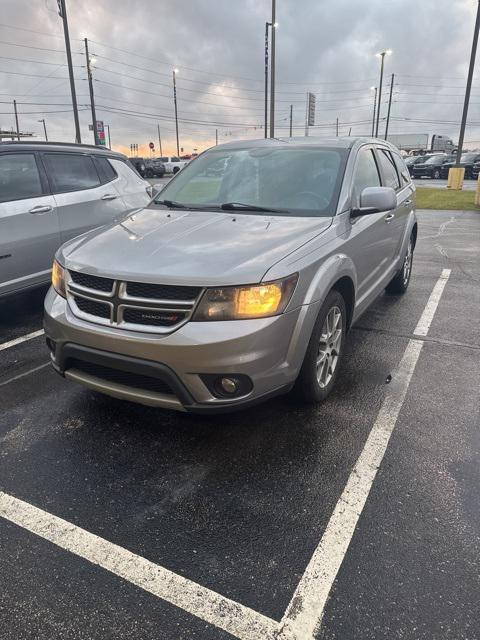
x=58 y=279
x=241 y=303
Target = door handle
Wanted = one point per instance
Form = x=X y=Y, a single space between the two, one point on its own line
x=109 y=196
x=389 y=216
x=40 y=208
x=407 y=203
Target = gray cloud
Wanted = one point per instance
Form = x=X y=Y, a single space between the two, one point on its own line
x=323 y=46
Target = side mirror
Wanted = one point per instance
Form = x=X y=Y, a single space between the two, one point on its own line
x=156 y=188
x=375 y=200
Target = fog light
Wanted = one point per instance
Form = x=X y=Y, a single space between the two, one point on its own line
x=229 y=385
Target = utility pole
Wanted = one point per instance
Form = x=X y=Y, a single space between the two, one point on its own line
x=62 y=12
x=216 y=137
x=272 y=73
x=291 y=119
x=44 y=129
x=337 y=129
x=374 y=111
x=109 y=140
x=389 y=105
x=380 y=86
x=175 y=71
x=159 y=139
x=16 y=119
x=469 y=87
x=92 y=98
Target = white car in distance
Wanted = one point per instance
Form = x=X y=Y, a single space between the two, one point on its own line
x=173 y=164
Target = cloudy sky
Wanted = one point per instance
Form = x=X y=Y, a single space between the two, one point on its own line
x=324 y=46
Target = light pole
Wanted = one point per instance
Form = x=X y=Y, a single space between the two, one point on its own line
x=381 y=55
x=374 y=109
x=175 y=71
x=469 y=87
x=267 y=25
x=44 y=128
x=109 y=139
x=272 y=73
x=62 y=12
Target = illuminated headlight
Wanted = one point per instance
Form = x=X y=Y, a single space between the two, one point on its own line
x=241 y=303
x=58 y=279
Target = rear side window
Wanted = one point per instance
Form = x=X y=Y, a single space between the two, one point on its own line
x=19 y=177
x=71 y=172
x=389 y=170
x=163 y=159
x=175 y=159
x=401 y=168
x=366 y=173
x=105 y=170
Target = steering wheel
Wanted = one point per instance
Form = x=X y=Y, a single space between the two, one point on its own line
x=318 y=201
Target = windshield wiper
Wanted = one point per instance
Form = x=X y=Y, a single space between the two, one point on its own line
x=171 y=204
x=240 y=206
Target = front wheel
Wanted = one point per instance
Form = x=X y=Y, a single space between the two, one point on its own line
x=400 y=282
x=324 y=352
x=436 y=174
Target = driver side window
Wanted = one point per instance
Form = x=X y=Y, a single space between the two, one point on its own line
x=365 y=175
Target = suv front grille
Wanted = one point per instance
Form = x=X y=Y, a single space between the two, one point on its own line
x=135 y=306
x=92 y=282
x=161 y=291
x=118 y=376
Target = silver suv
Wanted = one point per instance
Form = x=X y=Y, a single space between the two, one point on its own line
x=51 y=192
x=236 y=284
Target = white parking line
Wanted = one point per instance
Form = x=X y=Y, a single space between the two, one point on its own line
x=226 y=614
x=305 y=611
x=25 y=373
x=28 y=336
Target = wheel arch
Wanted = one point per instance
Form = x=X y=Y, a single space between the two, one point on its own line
x=346 y=289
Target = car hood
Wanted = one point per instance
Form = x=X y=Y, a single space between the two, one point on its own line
x=196 y=247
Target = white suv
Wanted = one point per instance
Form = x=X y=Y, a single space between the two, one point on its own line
x=52 y=192
x=173 y=164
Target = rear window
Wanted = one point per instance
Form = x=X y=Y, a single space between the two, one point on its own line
x=401 y=168
x=19 y=177
x=390 y=176
x=71 y=172
x=105 y=170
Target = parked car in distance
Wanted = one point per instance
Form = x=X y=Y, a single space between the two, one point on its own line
x=139 y=165
x=229 y=290
x=51 y=192
x=154 y=168
x=173 y=164
x=467 y=161
x=432 y=167
x=476 y=170
x=411 y=161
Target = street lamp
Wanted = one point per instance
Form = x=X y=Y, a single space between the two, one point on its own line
x=44 y=128
x=272 y=74
x=375 y=89
x=381 y=55
x=175 y=71
x=267 y=26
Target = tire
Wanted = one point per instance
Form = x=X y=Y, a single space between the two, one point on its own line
x=316 y=380
x=400 y=282
x=175 y=170
x=436 y=174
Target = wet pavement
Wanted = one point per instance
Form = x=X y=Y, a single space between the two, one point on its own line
x=238 y=503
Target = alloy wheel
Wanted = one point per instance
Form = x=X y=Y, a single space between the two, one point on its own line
x=407 y=264
x=329 y=347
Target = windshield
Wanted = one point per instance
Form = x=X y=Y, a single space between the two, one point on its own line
x=296 y=181
x=436 y=160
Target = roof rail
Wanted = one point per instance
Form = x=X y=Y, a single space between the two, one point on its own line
x=52 y=143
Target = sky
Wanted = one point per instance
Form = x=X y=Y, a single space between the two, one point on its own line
x=326 y=47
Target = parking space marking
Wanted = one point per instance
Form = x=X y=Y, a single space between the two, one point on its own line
x=304 y=614
x=236 y=619
x=25 y=373
x=28 y=336
x=305 y=611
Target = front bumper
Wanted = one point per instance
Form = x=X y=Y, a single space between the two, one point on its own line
x=268 y=351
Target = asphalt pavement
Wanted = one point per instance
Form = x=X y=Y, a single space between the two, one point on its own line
x=233 y=512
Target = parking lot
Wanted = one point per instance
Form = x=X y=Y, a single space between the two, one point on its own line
x=357 y=519
x=468 y=185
